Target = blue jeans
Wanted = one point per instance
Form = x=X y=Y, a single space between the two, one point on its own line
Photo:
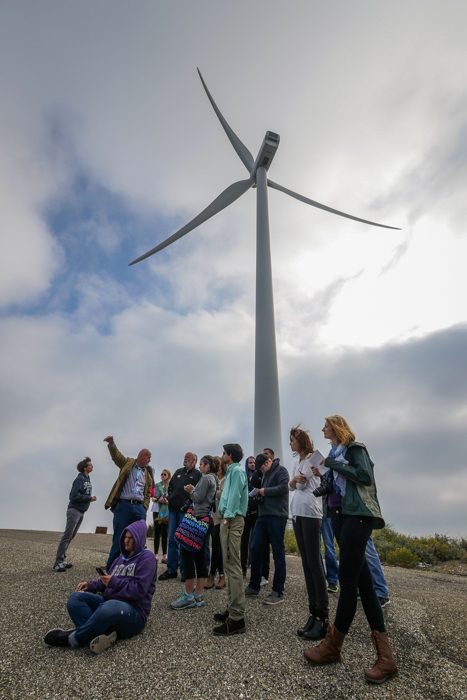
x=125 y=513
x=173 y=556
x=379 y=582
x=92 y=615
x=330 y=556
x=272 y=527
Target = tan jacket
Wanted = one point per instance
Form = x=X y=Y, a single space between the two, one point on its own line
x=126 y=464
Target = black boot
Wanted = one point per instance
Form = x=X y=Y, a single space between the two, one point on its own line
x=320 y=626
x=221 y=617
x=308 y=625
x=57 y=637
x=230 y=627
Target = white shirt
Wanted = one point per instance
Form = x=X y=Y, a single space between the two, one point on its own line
x=303 y=502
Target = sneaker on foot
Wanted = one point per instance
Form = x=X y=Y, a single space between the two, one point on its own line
x=230 y=627
x=200 y=600
x=333 y=587
x=264 y=581
x=57 y=637
x=383 y=602
x=185 y=600
x=166 y=575
x=59 y=567
x=221 y=617
x=102 y=642
x=251 y=592
x=274 y=598
x=68 y=566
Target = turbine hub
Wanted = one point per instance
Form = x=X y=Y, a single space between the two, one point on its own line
x=266 y=152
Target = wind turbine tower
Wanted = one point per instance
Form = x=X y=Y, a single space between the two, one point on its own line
x=267 y=425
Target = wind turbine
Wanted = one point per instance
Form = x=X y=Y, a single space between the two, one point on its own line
x=267 y=425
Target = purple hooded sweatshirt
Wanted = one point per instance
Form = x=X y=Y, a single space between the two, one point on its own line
x=133 y=577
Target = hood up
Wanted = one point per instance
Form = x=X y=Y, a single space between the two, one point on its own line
x=138 y=530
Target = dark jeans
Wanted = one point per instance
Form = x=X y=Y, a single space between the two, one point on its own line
x=173 y=558
x=92 y=615
x=307 y=533
x=272 y=527
x=217 y=564
x=352 y=533
x=160 y=532
x=125 y=513
x=245 y=547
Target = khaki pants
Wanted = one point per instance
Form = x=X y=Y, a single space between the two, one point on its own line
x=231 y=537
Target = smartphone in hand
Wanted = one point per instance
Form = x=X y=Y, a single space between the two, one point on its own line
x=101 y=571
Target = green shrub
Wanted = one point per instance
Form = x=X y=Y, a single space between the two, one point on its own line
x=402 y=556
x=290 y=542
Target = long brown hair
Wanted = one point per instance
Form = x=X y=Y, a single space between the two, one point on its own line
x=305 y=443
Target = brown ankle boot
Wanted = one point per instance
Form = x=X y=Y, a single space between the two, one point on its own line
x=329 y=650
x=209 y=582
x=385 y=666
x=221 y=582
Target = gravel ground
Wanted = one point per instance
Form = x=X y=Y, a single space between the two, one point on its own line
x=177 y=657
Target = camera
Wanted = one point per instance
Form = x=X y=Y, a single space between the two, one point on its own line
x=324 y=488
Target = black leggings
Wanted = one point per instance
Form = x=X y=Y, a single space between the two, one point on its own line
x=307 y=533
x=160 y=532
x=352 y=533
x=192 y=560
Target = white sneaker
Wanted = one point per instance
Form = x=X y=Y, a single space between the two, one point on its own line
x=102 y=642
x=264 y=581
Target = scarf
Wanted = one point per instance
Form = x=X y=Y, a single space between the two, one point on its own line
x=337 y=453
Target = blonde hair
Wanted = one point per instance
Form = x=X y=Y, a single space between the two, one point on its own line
x=168 y=472
x=342 y=429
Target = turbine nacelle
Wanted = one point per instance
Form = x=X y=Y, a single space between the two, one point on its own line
x=266 y=152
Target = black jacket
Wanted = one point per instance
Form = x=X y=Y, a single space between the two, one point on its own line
x=276 y=492
x=177 y=497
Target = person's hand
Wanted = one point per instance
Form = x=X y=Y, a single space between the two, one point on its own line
x=226 y=522
x=105 y=579
x=300 y=479
x=260 y=492
x=109 y=439
x=316 y=471
x=82 y=586
x=189 y=488
x=93 y=498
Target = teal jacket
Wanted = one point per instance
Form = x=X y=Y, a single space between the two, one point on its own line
x=163 y=508
x=360 y=494
x=234 y=499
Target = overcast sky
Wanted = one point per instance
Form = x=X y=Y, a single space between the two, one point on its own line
x=109 y=144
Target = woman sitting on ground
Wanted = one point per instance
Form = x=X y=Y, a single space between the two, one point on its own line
x=353 y=505
x=202 y=496
x=117 y=604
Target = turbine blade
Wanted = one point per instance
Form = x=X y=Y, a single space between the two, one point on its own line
x=229 y=195
x=240 y=148
x=300 y=197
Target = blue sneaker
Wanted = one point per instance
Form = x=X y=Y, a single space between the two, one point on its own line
x=200 y=601
x=186 y=600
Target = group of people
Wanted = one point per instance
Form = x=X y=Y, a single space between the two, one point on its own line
x=243 y=510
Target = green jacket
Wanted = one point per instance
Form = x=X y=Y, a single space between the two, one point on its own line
x=126 y=464
x=360 y=494
x=234 y=499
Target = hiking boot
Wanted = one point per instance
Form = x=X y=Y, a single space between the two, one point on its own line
x=251 y=592
x=57 y=637
x=220 y=582
x=102 y=642
x=60 y=568
x=328 y=651
x=308 y=625
x=385 y=666
x=384 y=601
x=186 y=600
x=230 y=627
x=333 y=587
x=166 y=575
x=221 y=617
